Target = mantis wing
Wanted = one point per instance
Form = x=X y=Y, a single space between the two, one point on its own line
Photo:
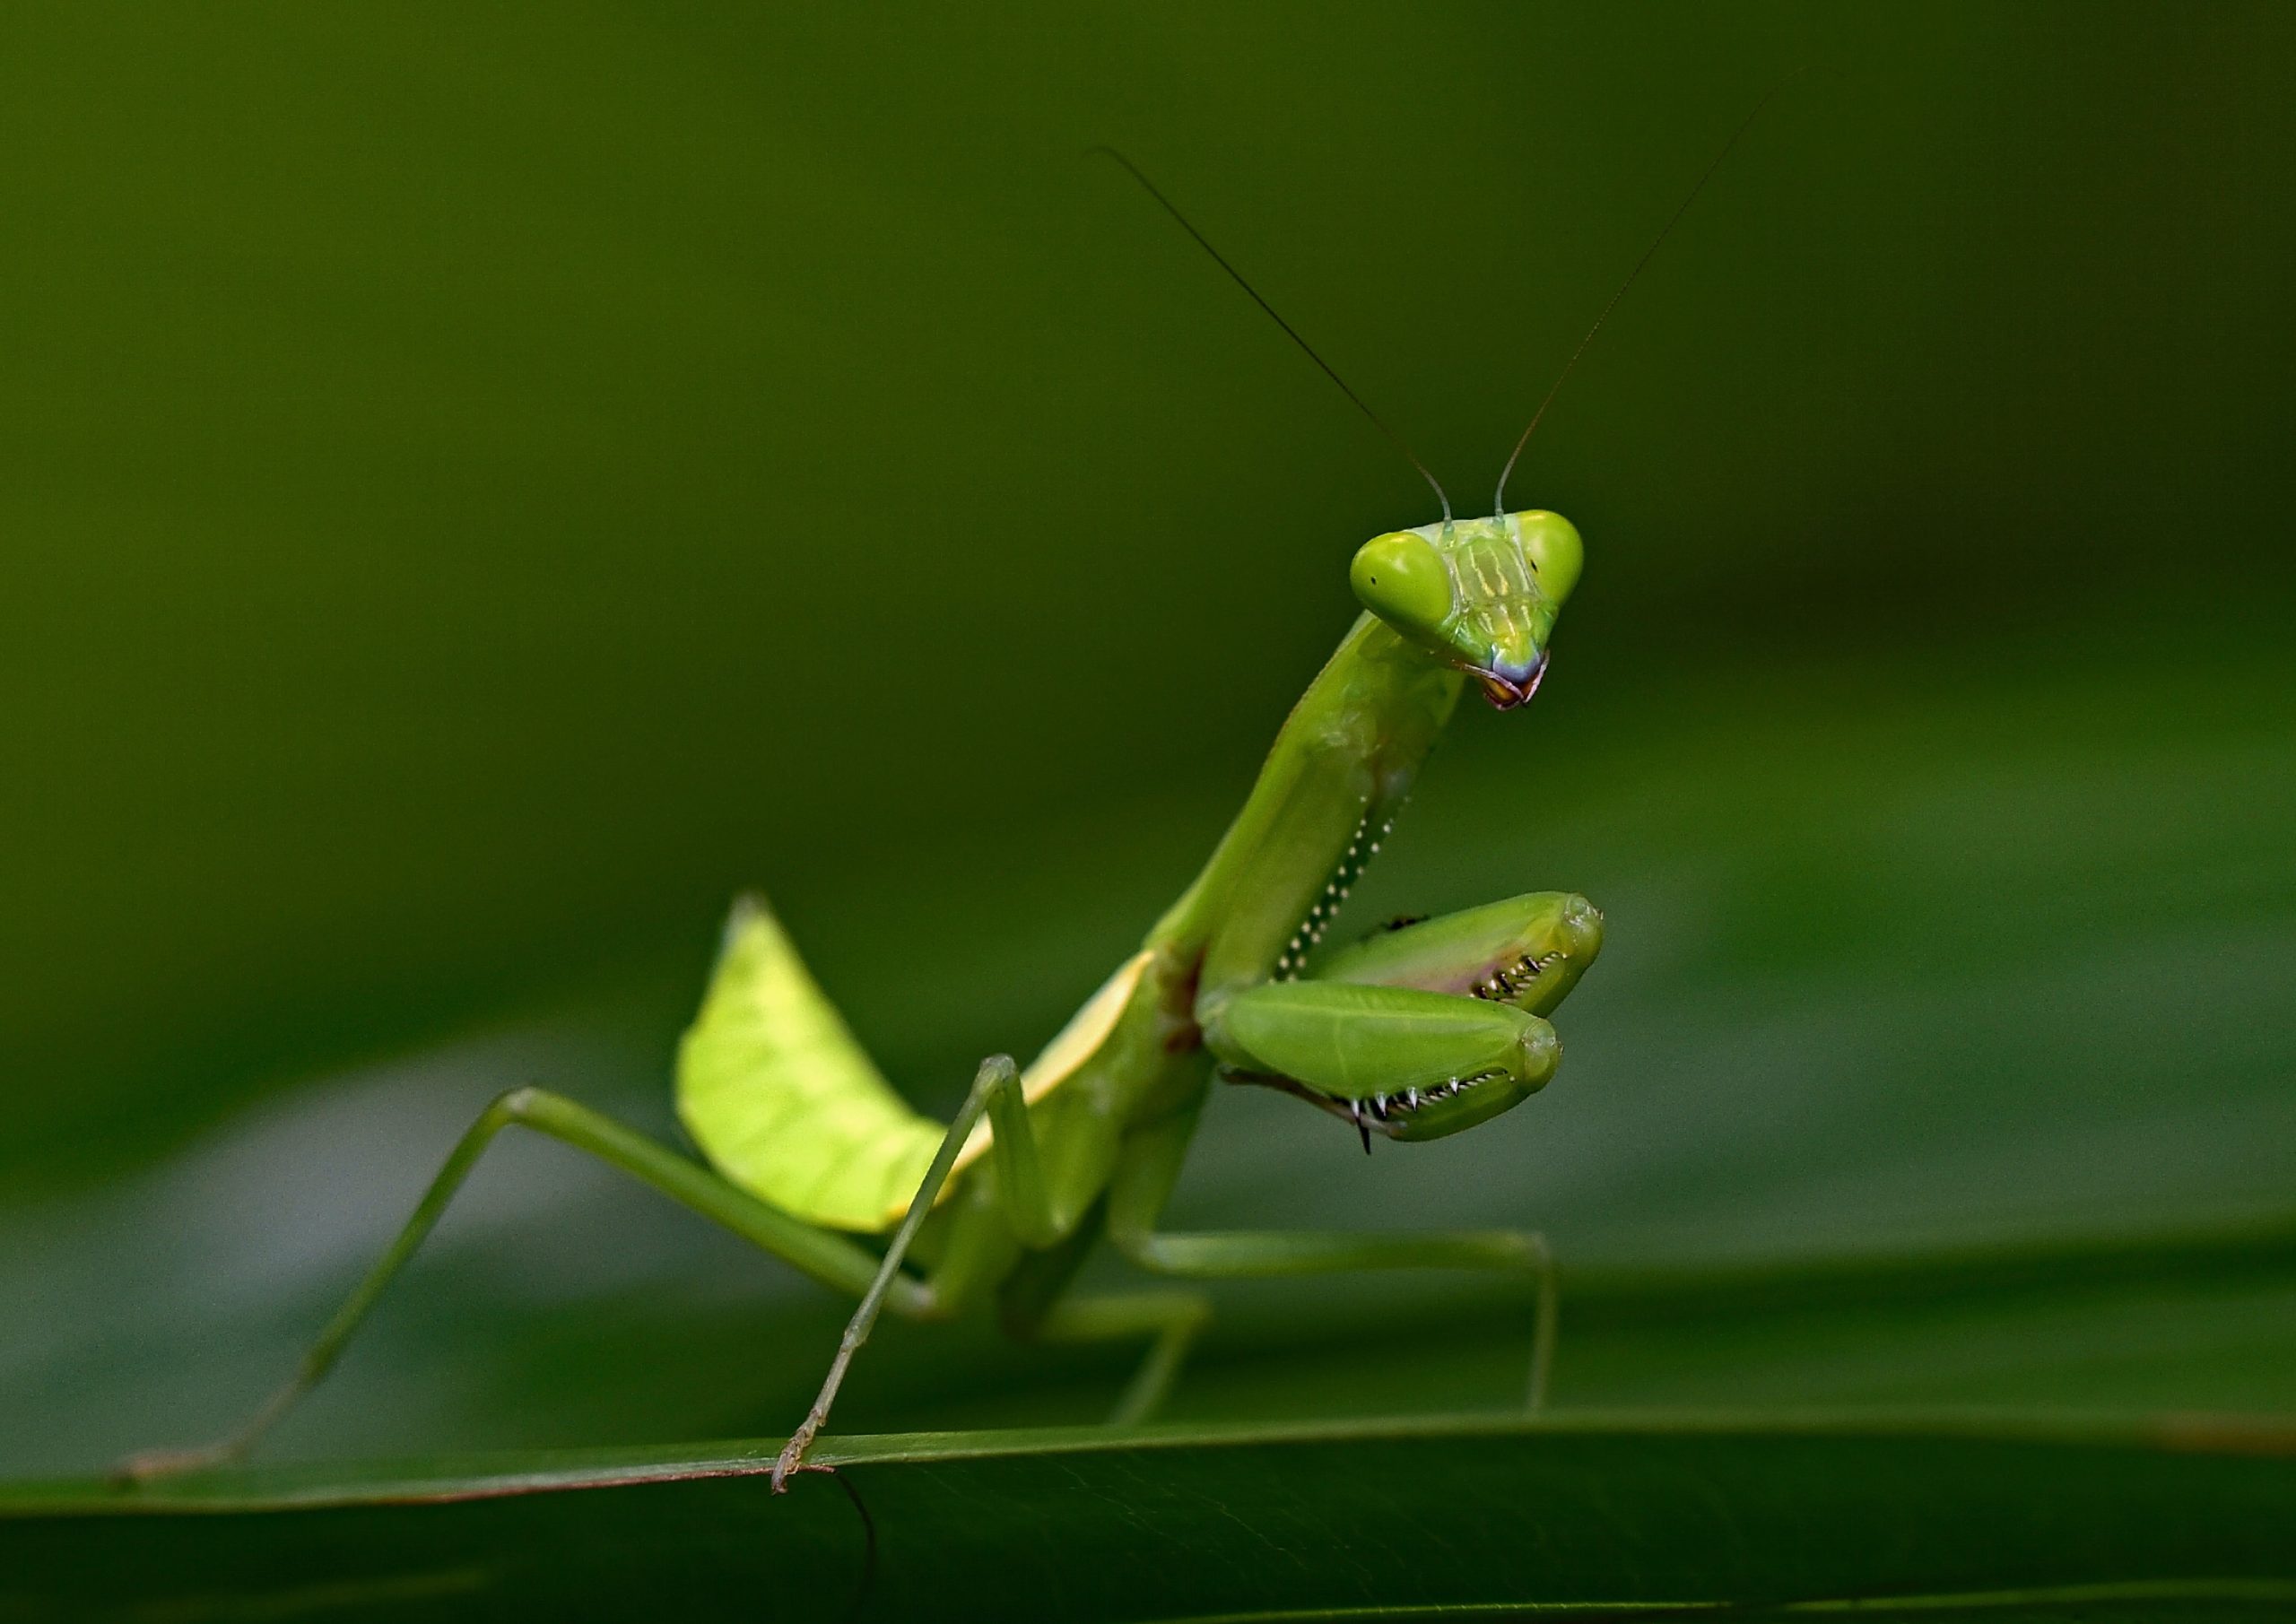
x=783 y=1100
x=786 y=1104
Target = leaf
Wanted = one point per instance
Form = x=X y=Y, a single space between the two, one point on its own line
x=1647 y=1513
x=1779 y=1500
x=478 y=507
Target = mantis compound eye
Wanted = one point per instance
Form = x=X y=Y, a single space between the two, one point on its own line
x=1400 y=577
x=1550 y=543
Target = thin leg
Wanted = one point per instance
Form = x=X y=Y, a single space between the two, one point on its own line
x=831 y=1259
x=997 y=1076
x=1171 y=1319
x=1272 y=1253
x=1144 y=1184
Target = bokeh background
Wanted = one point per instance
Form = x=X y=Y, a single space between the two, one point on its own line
x=481 y=487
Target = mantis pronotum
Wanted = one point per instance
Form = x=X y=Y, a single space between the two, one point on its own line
x=1421 y=1030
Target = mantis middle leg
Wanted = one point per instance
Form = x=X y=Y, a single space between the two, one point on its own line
x=1152 y=1165
x=1033 y=1306
x=1021 y=1189
x=1170 y=1320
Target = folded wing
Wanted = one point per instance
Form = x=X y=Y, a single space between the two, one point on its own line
x=783 y=1100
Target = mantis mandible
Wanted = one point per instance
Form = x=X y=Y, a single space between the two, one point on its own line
x=1421 y=1030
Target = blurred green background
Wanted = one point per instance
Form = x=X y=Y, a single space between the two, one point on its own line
x=483 y=486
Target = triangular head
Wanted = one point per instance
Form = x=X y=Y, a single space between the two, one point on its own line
x=1479 y=594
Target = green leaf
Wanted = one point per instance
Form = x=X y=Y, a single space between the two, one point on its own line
x=1780 y=1500
x=1614 y=1511
x=483 y=494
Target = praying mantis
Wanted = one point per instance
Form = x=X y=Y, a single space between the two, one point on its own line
x=1425 y=1028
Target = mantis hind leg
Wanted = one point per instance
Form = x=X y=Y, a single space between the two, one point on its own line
x=830 y=1258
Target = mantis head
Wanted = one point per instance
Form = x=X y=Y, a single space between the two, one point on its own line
x=1478 y=594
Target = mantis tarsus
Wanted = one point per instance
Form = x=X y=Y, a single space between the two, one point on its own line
x=1421 y=1030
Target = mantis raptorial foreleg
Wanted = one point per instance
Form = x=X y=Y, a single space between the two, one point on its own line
x=1414 y=1032
x=830 y=1258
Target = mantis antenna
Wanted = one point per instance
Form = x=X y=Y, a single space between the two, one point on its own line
x=1290 y=331
x=1499 y=503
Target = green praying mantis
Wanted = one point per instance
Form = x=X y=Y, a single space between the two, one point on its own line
x=1424 y=1029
